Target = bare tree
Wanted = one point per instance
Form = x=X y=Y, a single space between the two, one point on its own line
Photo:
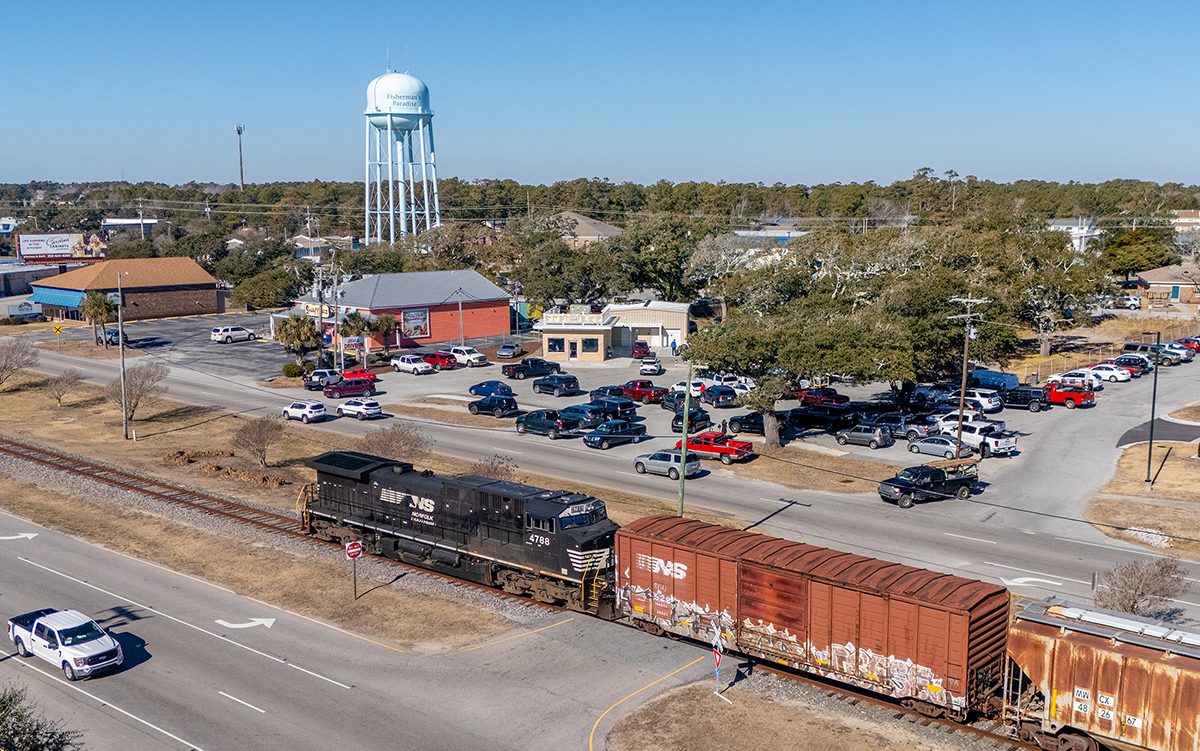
x=257 y=436
x=497 y=467
x=401 y=441
x=15 y=356
x=62 y=384
x=1142 y=587
x=142 y=383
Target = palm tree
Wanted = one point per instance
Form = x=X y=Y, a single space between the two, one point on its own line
x=384 y=326
x=297 y=333
x=97 y=308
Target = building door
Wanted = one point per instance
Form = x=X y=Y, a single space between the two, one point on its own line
x=573 y=352
x=1175 y=293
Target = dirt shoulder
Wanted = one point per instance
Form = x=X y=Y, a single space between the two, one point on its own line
x=1171 y=506
x=797 y=467
x=89 y=350
x=1190 y=414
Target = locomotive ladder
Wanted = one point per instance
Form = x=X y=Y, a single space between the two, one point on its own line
x=591 y=588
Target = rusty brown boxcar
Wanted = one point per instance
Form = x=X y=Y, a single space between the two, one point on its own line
x=934 y=641
x=1129 y=682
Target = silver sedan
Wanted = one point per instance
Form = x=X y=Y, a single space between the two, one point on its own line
x=939 y=445
x=666 y=462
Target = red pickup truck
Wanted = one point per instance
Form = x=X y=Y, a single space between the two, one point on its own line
x=1068 y=396
x=822 y=395
x=360 y=373
x=714 y=444
x=644 y=391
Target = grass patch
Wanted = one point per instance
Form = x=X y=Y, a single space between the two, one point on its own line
x=316 y=588
x=813 y=470
x=1170 y=520
x=1174 y=466
x=282 y=382
x=1191 y=414
x=90 y=350
x=455 y=414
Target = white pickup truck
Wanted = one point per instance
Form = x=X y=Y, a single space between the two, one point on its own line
x=67 y=639
x=468 y=356
x=985 y=436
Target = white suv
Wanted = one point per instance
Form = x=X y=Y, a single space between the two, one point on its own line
x=985 y=400
x=468 y=356
x=229 y=334
x=363 y=409
x=305 y=411
x=414 y=364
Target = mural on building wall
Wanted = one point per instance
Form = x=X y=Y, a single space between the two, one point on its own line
x=414 y=324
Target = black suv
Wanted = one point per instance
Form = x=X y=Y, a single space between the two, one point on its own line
x=698 y=420
x=823 y=417
x=547 y=422
x=497 y=406
x=615 y=408
x=1030 y=397
x=559 y=385
x=607 y=392
x=720 y=396
x=672 y=401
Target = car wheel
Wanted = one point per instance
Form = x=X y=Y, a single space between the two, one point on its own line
x=21 y=648
x=437 y=366
x=736 y=426
x=604 y=445
x=911 y=435
x=473 y=409
x=949 y=454
x=985 y=450
x=251 y=337
x=304 y=419
x=673 y=473
x=228 y=339
x=520 y=376
x=521 y=428
x=558 y=392
x=497 y=412
x=906 y=501
x=1035 y=406
x=340 y=413
x=553 y=434
x=914 y=449
x=1112 y=379
x=286 y=416
x=1070 y=404
x=963 y=493
x=872 y=445
x=842 y=440
x=646 y=399
x=639 y=468
x=69 y=672
x=362 y=415
x=726 y=459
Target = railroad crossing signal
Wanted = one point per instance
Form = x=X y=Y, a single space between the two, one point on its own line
x=57 y=330
x=353 y=550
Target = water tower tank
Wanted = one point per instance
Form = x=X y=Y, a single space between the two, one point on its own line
x=400 y=97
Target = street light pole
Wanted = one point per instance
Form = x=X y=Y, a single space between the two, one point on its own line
x=1153 y=402
x=967 y=319
x=121 y=346
x=683 y=449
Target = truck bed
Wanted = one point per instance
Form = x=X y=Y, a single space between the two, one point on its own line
x=25 y=620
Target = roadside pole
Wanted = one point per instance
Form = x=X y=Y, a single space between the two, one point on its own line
x=121 y=346
x=354 y=550
x=683 y=449
x=968 y=318
x=1153 y=403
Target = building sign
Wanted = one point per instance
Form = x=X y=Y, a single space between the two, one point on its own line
x=25 y=310
x=322 y=310
x=579 y=319
x=61 y=246
x=414 y=324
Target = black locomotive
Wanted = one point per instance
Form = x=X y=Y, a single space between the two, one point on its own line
x=552 y=545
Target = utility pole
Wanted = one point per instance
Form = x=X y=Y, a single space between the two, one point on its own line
x=967 y=318
x=320 y=314
x=1153 y=402
x=459 y=292
x=683 y=449
x=241 y=169
x=121 y=346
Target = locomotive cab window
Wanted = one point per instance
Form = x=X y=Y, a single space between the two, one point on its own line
x=584 y=520
x=541 y=525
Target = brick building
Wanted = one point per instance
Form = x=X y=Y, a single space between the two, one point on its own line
x=152 y=287
x=425 y=304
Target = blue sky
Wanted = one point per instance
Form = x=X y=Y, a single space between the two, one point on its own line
x=540 y=91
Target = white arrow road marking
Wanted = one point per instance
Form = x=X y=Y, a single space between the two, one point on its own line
x=1039 y=573
x=1028 y=580
x=22 y=536
x=268 y=622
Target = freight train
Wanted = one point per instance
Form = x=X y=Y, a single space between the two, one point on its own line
x=1067 y=678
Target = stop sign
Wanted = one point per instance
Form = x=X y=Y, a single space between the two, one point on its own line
x=353 y=549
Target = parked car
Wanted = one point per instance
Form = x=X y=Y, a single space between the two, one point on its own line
x=414 y=364
x=950 y=419
x=1190 y=342
x=229 y=334
x=1069 y=396
x=616 y=407
x=909 y=427
x=68 y=640
x=495 y=405
x=985 y=438
x=1144 y=363
x=530 y=367
x=440 y=360
x=821 y=395
x=1134 y=369
x=667 y=463
x=644 y=391
x=361 y=374
x=1111 y=373
x=955 y=478
x=720 y=396
x=588 y=415
x=1083 y=378
x=940 y=445
x=468 y=356
x=557 y=384
x=319 y=379
x=672 y=401
x=614 y=432
x=698 y=419
x=935 y=392
x=984 y=400
x=547 y=422
x=993 y=379
x=752 y=422
x=305 y=411
x=363 y=409
x=871 y=436
x=713 y=444
x=822 y=417
x=113 y=337
x=697 y=387
x=1131 y=302
x=641 y=349
x=1185 y=354
x=607 y=392
x=1156 y=352
x=491 y=388
x=349 y=387
x=509 y=350
x=650 y=366
x=1029 y=397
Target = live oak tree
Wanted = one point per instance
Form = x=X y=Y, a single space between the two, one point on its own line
x=1138 y=249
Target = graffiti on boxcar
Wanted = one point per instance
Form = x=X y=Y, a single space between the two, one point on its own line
x=691 y=616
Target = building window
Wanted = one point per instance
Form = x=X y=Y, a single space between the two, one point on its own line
x=591 y=345
x=555 y=344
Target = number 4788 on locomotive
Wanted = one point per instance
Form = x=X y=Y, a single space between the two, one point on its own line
x=552 y=545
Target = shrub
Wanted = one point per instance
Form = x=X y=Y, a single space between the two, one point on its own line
x=309 y=366
x=292 y=370
x=12 y=321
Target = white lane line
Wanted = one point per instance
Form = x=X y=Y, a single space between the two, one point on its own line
x=243 y=703
x=972 y=539
x=110 y=705
x=317 y=675
x=1038 y=573
x=225 y=639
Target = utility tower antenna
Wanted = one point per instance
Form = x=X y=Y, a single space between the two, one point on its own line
x=967 y=318
x=241 y=169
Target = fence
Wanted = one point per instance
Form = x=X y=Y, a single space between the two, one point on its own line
x=1036 y=372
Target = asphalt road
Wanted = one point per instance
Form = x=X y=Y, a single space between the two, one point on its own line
x=190 y=682
x=1026 y=527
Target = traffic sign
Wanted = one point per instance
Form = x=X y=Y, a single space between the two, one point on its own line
x=353 y=550
x=58 y=329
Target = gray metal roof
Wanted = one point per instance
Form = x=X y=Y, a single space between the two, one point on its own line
x=418 y=288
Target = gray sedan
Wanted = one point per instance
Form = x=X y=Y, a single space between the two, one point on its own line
x=666 y=462
x=939 y=445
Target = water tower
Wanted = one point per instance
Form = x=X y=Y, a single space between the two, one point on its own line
x=400 y=194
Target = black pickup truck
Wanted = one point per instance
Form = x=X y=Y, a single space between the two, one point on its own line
x=952 y=478
x=530 y=367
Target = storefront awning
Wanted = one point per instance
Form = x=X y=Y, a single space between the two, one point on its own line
x=63 y=298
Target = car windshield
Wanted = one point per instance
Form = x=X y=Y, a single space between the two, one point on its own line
x=907 y=476
x=80 y=634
